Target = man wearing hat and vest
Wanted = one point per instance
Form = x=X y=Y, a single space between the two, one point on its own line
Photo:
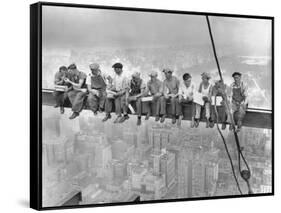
x=205 y=88
x=96 y=84
x=119 y=88
x=60 y=96
x=154 y=88
x=170 y=91
x=239 y=99
x=78 y=92
x=136 y=91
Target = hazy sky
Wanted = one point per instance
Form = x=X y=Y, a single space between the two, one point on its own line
x=66 y=27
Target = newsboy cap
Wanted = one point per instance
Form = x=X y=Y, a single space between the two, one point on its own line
x=236 y=73
x=117 y=65
x=206 y=75
x=165 y=70
x=72 y=66
x=153 y=73
x=94 y=66
x=136 y=74
x=63 y=68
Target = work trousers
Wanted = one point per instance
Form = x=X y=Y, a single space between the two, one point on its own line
x=77 y=100
x=193 y=107
x=119 y=103
x=96 y=102
x=175 y=106
x=132 y=99
x=207 y=107
x=60 y=97
x=148 y=105
x=224 y=115
x=239 y=109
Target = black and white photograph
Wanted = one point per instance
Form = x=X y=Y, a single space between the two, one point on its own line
x=146 y=106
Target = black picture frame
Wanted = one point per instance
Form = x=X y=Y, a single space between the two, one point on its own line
x=36 y=102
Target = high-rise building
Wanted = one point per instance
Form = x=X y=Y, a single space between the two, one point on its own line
x=103 y=154
x=198 y=178
x=159 y=138
x=119 y=170
x=119 y=149
x=130 y=138
x=212 y=171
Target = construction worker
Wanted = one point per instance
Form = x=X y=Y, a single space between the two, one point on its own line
x=154 y=88
x=137 y=89
x=96 y=83
x=170 y=92
x=60 y=96
x=205 y=88
x=78 y=92
x=185 y=95
x=117 y=94
x=220 y=90
x=238 y=99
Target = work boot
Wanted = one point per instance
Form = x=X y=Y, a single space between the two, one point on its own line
x=74 y=115
x=117 y=119
x=211 y=124
x=162 y=118
x=174 y=120
x=139 y=121
x=196 y=124
x=192 y=123
x=157 y=118
x=95 y=112
x=147 y=116
x=238 y=129
x=61 y=110
x=223 y=126
x=107 y=116
x=207 y=123
x=125 y=117
x=239 y=126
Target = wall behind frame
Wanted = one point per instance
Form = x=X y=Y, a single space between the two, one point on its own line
x=14 y=108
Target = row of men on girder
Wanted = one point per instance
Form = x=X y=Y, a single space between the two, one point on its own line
x=103 y=91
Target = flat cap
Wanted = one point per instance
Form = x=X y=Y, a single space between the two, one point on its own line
x=165 y=70
x=153 y=73
x=94 y=66
x=63 y=68
x=117 y=65
x=72 y=66
x=236 y=73
x=136 y=74
x=206 y=75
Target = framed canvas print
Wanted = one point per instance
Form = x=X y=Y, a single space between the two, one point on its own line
x=134 y=105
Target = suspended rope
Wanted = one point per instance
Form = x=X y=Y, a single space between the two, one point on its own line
x=225 y=146
x=246 y=173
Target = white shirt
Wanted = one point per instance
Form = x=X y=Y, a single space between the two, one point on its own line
x=205 y=92
x=187 y=91
x=120 y=82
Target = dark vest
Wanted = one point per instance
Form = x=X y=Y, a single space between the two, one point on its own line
x=135 y=87
x=237 y=95
x=75 y=79
x=97 y=82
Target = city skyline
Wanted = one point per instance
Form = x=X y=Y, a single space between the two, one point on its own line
x=116 y=163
